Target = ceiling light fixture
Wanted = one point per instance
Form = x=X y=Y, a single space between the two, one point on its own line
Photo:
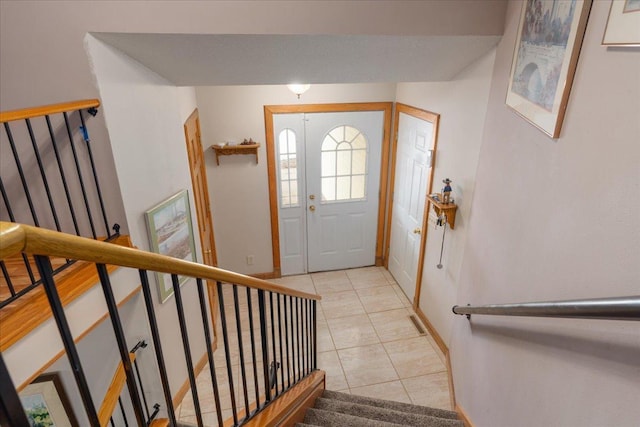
x=298 y=89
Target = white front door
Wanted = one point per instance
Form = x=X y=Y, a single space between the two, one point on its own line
x=332 y=186
x=414 y=151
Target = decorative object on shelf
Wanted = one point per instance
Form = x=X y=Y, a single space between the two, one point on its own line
x=298 y=89
x=447 y=211
x=171 y=234
x=446 y=191
x=246 y=147
x=46 y=403
x=623 y=25
x=545 y=59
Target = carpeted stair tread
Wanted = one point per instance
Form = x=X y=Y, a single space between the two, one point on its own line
x=383 y=414
x=322 y=418
x=396 y=406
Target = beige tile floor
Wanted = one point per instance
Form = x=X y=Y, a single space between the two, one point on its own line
x=367 y=345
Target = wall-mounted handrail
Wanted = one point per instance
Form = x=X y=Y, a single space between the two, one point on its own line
x=17 y=238
x=27 y=113
x=616 y=308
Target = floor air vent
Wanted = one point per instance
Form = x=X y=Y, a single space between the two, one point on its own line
x=417 y=324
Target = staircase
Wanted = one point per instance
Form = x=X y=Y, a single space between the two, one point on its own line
x=346 y=410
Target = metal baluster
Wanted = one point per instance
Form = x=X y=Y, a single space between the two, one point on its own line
x=225 y=336
x=46 y=273
x=286 y=337
x=243 y=373
x=45 y=181
x=187 y=349
x=85 y=133
x=13 y=219
x=11 y=412
x=310 y=335
x=265 y=348
x=305 y=337
x=208 y=343
x=315 y=335
x=111 y=422
x=253 y=348
x=124 y=414
x=139 y=345
x=54 y=143
x=122 y=342
x=23 y=180
x=273 y=347
x=157 y=345
x=298 y=358
x=79 y=171
x=280 y=339
x=5 y=273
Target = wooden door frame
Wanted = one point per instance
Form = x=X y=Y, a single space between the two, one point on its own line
x=434 y=119
x=270 y=110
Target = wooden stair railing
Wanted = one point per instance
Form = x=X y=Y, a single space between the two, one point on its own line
x=286 y=319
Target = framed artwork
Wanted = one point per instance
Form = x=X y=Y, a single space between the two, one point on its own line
x=171 y=234
x=544 y=61
x=46 y=403
x=623 y=25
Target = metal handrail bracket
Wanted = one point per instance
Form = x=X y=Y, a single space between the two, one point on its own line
x=616 y=308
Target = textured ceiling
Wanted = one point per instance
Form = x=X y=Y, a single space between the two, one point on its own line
x=206 y=60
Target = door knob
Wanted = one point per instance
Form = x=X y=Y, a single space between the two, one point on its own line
x=312 y=197
x=417 y=231
x=312 y=208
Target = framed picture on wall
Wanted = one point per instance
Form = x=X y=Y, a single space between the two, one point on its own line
x=544 y=61
x=46 y=403
x=623 y=25
x=171 y=234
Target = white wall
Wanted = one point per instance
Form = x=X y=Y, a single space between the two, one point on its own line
x=555 y=219
x=144 y=115
x=238 y=188
x=462 y=104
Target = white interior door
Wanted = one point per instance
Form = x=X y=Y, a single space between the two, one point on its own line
x=414 y=152
x=328 y=171
x=343 y=152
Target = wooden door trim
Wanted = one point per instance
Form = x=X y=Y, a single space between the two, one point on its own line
x=270 y=110
x=433 y=118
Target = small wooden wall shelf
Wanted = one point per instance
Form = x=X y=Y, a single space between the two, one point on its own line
x=449 y=209
x=229 y=150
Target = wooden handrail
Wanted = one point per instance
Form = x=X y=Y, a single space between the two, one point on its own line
x=26 y=113
x=16 y=238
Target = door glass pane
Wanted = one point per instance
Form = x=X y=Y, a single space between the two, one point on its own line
x=343 y=188
x=288 y=168
x=343 y=165
x=359 y=162
x=328 y=189
x=329 y=163
x=350 y=133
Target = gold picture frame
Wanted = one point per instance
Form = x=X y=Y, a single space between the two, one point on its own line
x=623 y=24
x=544 y=61
x=171 y=233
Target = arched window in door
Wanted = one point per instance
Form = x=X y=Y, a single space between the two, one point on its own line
x=288 y=169
x=344 y=165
